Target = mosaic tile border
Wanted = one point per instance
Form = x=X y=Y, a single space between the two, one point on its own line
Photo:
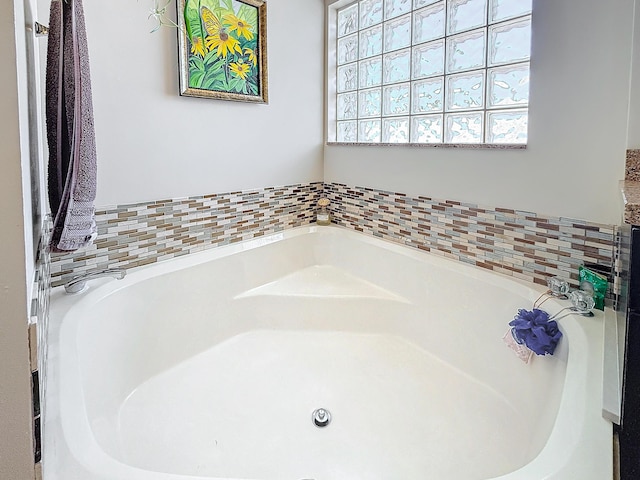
x=521 y=244
x=138 y=234
x=37 y=328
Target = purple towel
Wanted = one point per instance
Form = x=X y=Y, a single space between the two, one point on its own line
x=70 y=131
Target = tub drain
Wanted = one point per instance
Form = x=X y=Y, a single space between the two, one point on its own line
x=321 y=417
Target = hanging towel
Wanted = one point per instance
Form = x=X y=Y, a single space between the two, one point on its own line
x=70 y=130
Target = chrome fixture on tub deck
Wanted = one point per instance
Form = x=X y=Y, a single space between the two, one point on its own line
x=79 y=284
x=583 y=302
x=558 y=286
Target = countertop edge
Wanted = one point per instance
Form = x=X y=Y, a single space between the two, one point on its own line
x=630 y=190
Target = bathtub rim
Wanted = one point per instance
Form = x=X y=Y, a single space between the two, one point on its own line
x=580 y=376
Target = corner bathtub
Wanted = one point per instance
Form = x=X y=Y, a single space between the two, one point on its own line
x=210 y=366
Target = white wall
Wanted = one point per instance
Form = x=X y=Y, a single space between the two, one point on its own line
x=633 y=139
x=153 y=144
x=580 y=67
x=16 y=454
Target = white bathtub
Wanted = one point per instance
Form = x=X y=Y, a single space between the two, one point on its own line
x=209 y=366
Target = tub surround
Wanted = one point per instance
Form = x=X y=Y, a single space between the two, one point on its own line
x=38 y=351
x=521 y=244
x=138 y=234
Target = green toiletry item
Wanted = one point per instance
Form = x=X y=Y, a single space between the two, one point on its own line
x=594 y=283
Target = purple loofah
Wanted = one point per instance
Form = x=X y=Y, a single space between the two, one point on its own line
x=536 y=331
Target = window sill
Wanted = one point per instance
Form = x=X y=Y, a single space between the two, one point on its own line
x=471 y=146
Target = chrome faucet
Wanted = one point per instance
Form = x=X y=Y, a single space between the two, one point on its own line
x=79 y=284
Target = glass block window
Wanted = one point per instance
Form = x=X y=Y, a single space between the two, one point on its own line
x=429 y=71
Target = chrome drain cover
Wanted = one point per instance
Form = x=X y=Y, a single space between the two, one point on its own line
x=321 y=417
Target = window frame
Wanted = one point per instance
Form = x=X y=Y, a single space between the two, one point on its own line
x=331 y=65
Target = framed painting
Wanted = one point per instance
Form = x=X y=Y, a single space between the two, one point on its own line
x=223 y=49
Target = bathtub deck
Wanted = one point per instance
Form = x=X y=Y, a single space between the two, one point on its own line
x=243 y=409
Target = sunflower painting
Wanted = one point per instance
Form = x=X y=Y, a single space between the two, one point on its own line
x=223 y=49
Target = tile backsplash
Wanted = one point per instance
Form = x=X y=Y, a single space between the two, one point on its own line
x=521 y=244
x=38 y=352
x=138 y=234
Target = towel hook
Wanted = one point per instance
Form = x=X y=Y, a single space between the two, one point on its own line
x=41 y=30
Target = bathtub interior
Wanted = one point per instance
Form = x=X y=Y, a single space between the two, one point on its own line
x=395 y=341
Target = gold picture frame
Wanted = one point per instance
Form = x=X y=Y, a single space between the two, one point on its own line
x=223 y=49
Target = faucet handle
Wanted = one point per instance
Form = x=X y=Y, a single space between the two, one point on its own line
x=583 y=302
x=559 y=287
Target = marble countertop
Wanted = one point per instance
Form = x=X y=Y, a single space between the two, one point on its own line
x=630 y=187
x=631 y=197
